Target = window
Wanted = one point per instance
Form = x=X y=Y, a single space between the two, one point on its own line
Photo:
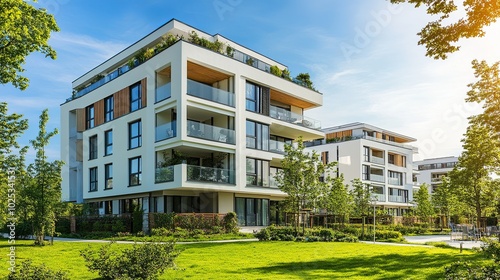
x=109 y=108
x=135 y=97
x=395 y=178
x=108 y=142
x=257 y=172
x=391 y=158
x=93 y=179
x=93 y=147
x=89 y=117
x=108 y=207
x=257 y=136
x=366 y=172
x=135 y=171
x=108 y=176
x=366 y=154
x=134 y=134
x=257 y=98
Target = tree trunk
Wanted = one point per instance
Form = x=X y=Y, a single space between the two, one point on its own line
x=363 y=228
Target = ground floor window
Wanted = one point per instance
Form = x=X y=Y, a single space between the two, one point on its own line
x=276 y=214
x=129 y=205
x=252 y=211
x=182 y=204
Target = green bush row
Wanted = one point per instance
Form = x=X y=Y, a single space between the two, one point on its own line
x=274 y=233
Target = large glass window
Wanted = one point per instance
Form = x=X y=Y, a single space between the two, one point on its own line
x=257 y=172
x=135 y=134
x=93 y=179
x=257 y=135
x=108 y=142
x=93 y=147
x=366 y=172
x=108 y=176
x=135 y=171
x=109 y=108
x=135 y=97
x=257 y=98
x=366 y=153
x=89 y=117
x=252 y=211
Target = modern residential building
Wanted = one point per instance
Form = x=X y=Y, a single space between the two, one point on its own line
x=430 y=171
x=378 y=157
x=183 y=121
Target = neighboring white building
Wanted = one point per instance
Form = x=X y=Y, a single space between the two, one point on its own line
x=378 y=157
x=187 y=130
x=430 y=171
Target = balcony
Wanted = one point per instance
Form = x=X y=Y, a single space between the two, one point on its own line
x=377 y=178
x=164 y=174
x=378 y=160
x=394 y=181
x=210 y=93
x=277 y=147
x=165 y=131
x=379 y=196
x=163 y=92
x=290 y=117
x=209 y=132
x=396 y=198
x=210 y=174
x=272 y=183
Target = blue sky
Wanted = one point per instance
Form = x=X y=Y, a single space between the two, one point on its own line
x=362 y=55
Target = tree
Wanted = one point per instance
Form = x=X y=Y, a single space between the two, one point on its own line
x=43 y=188
x=424 y=207
x=337 y=199
x=11 y=127
x=444 y=199
x=439 y=37
x=470 y=178
x=486 y=91
x=25 y=29
x=361 y=195
x=300 y=178
x=305 y=80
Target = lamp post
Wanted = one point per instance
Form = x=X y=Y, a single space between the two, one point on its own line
x=374 y=200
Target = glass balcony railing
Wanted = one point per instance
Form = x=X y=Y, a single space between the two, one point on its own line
x=210 y=93
x=163 y=92
x=378 y=160
x=210 y=174
x=379 y=196
x=377 y=178
x=209 y=132
x=166 y=131
x=277 y=147
x=164 y=174
x=396 y=198
x=394 y=181
x=291 y=117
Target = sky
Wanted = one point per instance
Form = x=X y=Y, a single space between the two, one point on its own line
x=362 y=55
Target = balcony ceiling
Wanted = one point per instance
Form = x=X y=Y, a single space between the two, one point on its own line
x=203 y=74
x=287 y=99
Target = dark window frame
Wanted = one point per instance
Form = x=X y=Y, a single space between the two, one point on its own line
x=135 y=101
x=89 y=116
x=108 y=176
x=93 y=179
x=109 y=104
x=135 y=173
x=137 y=137
x=93 y=149
x=108 y=142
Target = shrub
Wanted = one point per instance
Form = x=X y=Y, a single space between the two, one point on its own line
x=313 y=238
x=142 y=261
x=287 y=237
x=263 y=234
x=160 y=232
x=276 y=71
x=326 y=234
x=117 y=226
x=217 y=230
x=230 y=222
x=27 y=270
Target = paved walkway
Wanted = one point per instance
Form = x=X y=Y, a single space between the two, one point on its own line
x=422 y=239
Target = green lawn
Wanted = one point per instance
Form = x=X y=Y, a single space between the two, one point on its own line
x=268 y=260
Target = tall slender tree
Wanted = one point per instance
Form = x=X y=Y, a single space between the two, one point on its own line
x=424 y=207
x=44 y=186
x=336 y=198
x=300 y=178
x=361 y=195
x=471 y=178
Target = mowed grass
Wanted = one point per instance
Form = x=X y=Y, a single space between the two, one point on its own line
x=267 y=260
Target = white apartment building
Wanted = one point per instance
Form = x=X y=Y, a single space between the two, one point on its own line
x=182 y=128
x=378 y=157
x=430 y=171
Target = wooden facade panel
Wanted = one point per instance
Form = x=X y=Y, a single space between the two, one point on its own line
x=339 y=134
x=144 y=92
x=99 y=112
x=80 y=119
x=122 y=102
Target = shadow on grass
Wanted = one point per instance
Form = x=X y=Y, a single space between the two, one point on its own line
x=385 y=266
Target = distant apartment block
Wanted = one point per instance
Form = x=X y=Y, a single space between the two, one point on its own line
x=430 y=171
x=380 y=158
x=182 y=128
